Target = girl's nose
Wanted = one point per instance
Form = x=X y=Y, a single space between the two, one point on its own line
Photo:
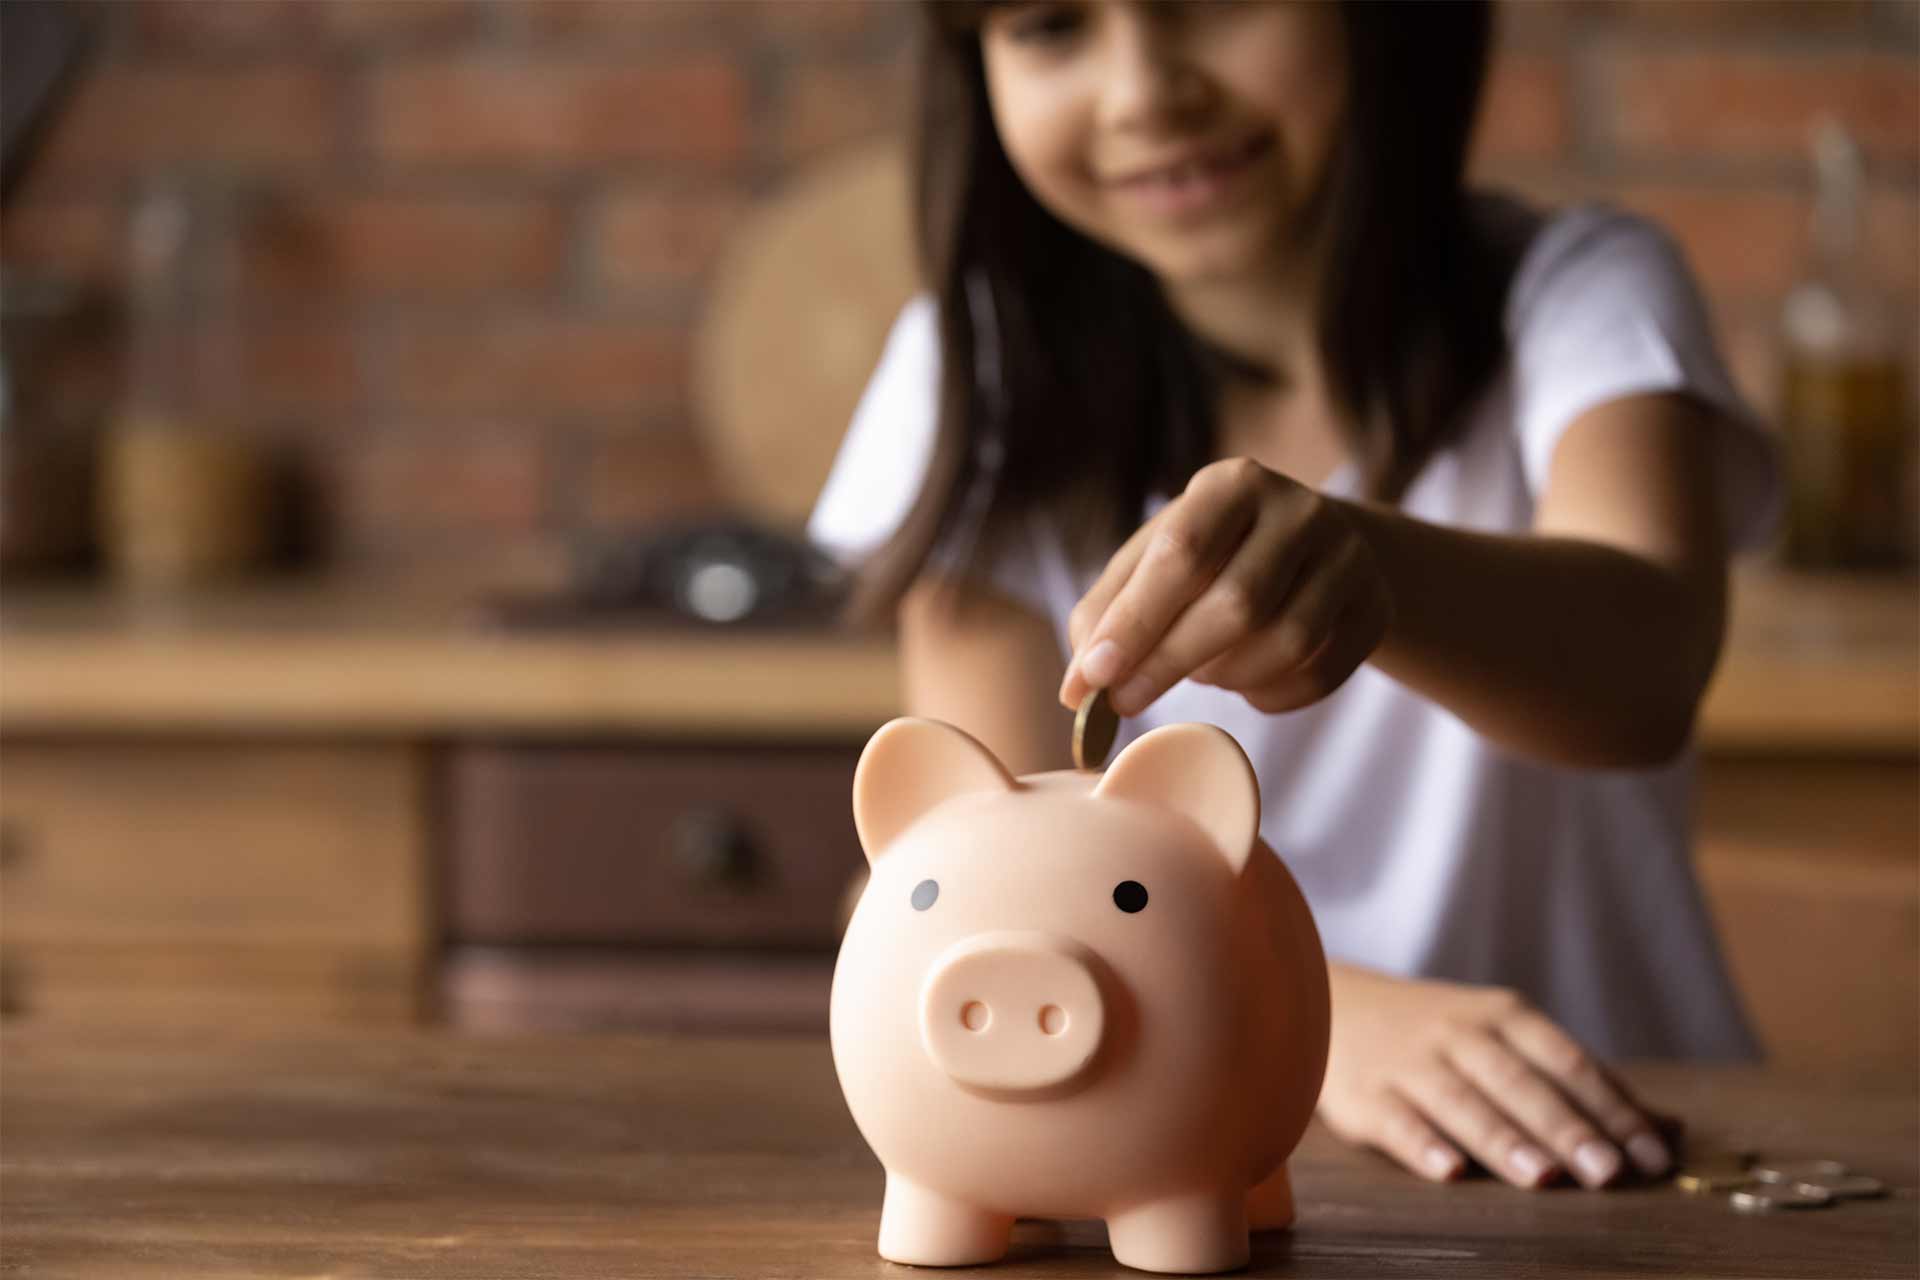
x=1148 y=82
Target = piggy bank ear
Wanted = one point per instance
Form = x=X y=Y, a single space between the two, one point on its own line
x=1199 y=772
x=910 y=766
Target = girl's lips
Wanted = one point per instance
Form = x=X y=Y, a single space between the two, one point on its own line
x=1196 y=185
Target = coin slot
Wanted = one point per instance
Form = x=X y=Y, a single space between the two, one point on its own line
x=975 y=1016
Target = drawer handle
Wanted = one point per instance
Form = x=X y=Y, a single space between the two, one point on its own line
x=12 y=997
x=13 y=844
x=712 y=849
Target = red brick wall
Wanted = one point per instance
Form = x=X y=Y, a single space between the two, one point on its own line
x=1698 y=113
x=450 y=250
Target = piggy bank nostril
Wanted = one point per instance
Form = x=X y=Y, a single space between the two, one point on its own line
x=1053 y=1019
x=974 y=1016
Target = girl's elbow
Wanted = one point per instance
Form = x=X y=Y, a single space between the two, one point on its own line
x=1654 y=730
x=1650 y=739
x=1665 y=740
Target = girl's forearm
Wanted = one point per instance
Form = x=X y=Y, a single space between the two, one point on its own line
x=1567 y=650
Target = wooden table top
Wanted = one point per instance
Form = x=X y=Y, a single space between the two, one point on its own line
x=135 y=1155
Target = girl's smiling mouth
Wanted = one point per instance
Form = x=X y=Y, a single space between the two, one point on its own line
x=1196 y=182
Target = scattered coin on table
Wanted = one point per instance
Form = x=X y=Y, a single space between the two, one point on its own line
x=1696 y=1182
x=1772 y=1198
x=1711 y=1171
x=1848 y=1186
x=1753 y=1184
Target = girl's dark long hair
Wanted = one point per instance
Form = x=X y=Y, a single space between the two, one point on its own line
x=1097 y=395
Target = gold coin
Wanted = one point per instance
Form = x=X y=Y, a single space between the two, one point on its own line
x=1094 y=727
x=1768 y=1199
x=1700 y=1183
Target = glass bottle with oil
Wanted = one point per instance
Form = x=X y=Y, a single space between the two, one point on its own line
x=1852 y=467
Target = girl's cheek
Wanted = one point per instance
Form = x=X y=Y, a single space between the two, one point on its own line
x=1040 y=116
x=1046 y=156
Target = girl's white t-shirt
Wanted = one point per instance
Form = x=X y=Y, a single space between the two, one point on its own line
x=1423 y=848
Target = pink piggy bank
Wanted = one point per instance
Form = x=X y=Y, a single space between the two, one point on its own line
x=1076 y=995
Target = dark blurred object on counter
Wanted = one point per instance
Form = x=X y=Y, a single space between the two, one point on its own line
x=1844 y=404
x=46 y=463
x=723 y=572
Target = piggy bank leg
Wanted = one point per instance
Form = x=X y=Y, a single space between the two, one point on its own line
x=1187 y=1234
x=1270 y=1205
x=927 y=1229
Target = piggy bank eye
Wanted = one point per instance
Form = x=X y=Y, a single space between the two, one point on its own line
x=924 y=893
x=1130 y=896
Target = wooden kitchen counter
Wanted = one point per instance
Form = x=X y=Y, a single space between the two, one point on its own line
x=337 y=659
x=1813 y=663
x=137 y=1156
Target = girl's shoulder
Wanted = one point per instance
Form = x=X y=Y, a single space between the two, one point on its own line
x=1602 y=306
x=1594 y=259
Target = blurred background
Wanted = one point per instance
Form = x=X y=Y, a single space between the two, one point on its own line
x=410 y=406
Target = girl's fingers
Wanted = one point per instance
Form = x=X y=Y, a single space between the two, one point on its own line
x=1397 y=1128
x=1560 y=1057
x=1188 y=544
x=1460 y=1111
x=1332 y=616
x=1239 y=600
x=1093 y=605
x=1492 y=1066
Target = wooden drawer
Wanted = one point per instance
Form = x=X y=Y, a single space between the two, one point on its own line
x=227 y=986
x=658 y=846
x=523 y=989
x=211 y=875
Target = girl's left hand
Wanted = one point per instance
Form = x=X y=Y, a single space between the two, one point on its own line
x=1248 y=581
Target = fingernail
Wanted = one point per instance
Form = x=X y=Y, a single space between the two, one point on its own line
x=1101 y=664
x=1133 y=696
x=1649 y=1154
x=1441 y=1162
x=1531 y=1166
x=1596 y=1162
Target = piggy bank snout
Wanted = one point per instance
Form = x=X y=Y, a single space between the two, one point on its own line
x=1012 y=1012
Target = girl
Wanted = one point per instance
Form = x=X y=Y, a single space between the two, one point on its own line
x=1229 y=397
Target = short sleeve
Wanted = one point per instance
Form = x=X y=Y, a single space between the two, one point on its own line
x=1603 y=307
x=884 y=459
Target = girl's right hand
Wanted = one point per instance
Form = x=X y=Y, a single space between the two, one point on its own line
x=1432 y=1073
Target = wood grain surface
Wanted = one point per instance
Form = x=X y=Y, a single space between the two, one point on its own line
x=141 y=1155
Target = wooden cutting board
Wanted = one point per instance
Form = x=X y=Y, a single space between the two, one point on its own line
x=795 y=322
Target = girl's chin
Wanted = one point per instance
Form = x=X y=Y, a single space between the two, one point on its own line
x=1201 y=262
